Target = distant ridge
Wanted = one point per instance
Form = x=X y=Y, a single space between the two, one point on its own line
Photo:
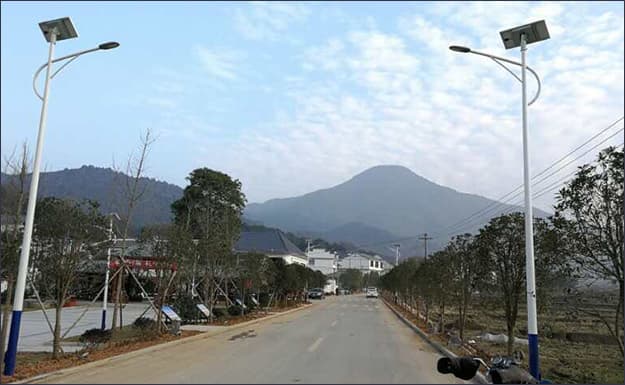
x=383 y=202
x=105 y=185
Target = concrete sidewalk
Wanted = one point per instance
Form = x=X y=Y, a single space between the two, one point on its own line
x=35 y=335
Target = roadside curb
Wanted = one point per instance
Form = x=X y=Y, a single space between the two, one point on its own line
x=479 y=377
x=125 y=356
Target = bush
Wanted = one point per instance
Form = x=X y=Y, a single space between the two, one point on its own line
x=144 y=323
x=264 y=298
x=218 y=312
x=186 y=309
x=95 y=336
x=235 y=310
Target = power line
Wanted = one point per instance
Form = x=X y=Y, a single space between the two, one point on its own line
x=496 y=202
x=553 y=186
x=496 y=205
x=500 y=205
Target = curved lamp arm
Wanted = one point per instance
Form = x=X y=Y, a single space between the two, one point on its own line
x=72 y=57
x=497 y=60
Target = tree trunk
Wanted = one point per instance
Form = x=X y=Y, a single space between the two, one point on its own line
x=442 y=328
x=5 y=316
x=159 y=304
x=510 y=337
x=463 y=311
x=463 y=317
x=618 y=319
x=117 y=305
x=56 y=343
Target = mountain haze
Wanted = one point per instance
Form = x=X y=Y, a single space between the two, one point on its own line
x=392 y=199
x=375 y=209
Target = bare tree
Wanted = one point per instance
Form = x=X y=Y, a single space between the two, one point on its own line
x=66 y=231
x=14 y=197
x=132 y=194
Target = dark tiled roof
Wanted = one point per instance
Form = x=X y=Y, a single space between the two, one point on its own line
x=268 y=242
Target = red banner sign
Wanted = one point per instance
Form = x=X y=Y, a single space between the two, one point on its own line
x=141 y=264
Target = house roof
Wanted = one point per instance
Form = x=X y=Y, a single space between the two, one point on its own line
x=268 y=242
x=370 y=257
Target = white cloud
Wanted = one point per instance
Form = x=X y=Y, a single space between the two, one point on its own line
x=267 y=20
x=219 y=63
x=455 y=119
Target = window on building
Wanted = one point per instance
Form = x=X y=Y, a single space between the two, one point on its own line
x=376 y=264
x=311 y=262
x=370 y=263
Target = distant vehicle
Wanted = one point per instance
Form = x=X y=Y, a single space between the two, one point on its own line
x=372 y=292
x=316 y=293
x=344 y=291
x=330 y=287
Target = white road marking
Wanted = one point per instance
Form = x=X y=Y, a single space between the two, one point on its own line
x=333 y=323
x=315 y=345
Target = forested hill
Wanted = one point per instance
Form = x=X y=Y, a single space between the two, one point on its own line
x=107 y=187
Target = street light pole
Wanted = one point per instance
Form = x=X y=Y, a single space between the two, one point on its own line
x=20 y=285
x=53 y=30
x=512 y=38
x=532 y=318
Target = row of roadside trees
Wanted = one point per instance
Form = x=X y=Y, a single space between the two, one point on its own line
x=582 y=241
x=195 y=258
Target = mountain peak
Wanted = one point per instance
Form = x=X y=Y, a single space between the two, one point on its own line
x=386 y=173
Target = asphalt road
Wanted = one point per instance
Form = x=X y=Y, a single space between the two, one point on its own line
x=346 y=339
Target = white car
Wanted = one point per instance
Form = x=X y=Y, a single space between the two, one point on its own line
x=372 y=292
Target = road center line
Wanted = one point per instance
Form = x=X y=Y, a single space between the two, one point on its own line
x=315 y=345
x=333 y=324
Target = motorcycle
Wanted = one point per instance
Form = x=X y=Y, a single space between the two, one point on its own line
x=503 y=370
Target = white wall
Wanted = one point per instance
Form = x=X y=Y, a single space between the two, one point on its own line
x=322 y=260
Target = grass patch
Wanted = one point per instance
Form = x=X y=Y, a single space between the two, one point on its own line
x=596 y=360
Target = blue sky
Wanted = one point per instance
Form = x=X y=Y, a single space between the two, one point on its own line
x=294 y=97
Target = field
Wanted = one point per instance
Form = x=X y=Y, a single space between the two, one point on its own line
x=573 y=348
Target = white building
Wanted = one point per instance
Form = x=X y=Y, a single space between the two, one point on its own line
x=366 y=263
x=323 y=261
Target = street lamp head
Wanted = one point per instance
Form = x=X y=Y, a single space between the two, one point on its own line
x=63 y=28
x=459 y=48
x=109 y=45
x=533 y=32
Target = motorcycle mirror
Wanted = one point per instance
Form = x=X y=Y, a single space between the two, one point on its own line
x=461 y=367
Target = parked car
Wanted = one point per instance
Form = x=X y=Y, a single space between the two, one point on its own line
x=372 y=292
x=316 y=293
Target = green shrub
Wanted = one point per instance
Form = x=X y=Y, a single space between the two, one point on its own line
x=144 y=323
x=263 y=299
x=95 y=336
x=186 y=308
x=235 y=310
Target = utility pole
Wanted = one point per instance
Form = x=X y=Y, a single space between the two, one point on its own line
x=425 y=239
x=397 y=246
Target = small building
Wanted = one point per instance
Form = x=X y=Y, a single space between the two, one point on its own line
x=273 y=243
x=323 y=261
x=366 y=263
